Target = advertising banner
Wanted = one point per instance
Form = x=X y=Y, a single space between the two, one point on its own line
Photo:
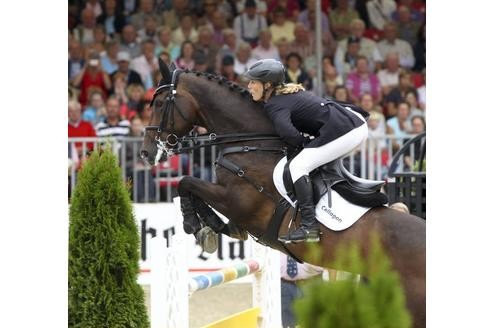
x=163 y=220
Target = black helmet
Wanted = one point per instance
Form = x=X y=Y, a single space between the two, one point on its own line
x=267 y=70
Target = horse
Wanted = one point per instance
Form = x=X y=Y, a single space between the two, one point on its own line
x=245 y=192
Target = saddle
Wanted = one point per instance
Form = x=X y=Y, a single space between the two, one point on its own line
x=334 y=175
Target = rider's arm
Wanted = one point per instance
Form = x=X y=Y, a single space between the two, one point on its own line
x=281 y=118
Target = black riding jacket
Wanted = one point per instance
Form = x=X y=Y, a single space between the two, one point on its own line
x=303 y=112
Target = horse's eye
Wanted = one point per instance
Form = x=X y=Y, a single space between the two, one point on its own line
x=158 y=103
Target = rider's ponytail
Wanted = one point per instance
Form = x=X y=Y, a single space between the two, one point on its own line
x=284 y=89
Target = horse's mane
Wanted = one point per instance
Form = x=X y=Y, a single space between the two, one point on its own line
x=221 y=80
x=242 y=95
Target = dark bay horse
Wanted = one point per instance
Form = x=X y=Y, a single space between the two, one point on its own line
x=249 y=199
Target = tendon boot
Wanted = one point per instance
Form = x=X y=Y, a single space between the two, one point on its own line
x=208 y=216
x=191 y=222
x=309 y=230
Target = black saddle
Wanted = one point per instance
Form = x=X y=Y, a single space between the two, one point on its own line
x=334 y=175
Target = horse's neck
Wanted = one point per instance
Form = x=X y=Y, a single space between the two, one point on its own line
x=226 y=111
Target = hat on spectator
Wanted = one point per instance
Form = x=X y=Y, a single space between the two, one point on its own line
x=123 y=56
x=250 y=4
x=227 y=60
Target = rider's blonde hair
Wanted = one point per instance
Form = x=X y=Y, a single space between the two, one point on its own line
x=284 y=89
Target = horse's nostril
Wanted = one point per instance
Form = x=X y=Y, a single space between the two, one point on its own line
x=144 y=154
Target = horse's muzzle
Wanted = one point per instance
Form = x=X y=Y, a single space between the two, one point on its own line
x=152 y=158
x=145 y=156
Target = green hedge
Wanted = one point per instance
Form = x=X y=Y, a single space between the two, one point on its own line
x=103 y=250
x=379 y=302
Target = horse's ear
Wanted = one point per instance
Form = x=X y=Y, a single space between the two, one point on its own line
x=172 y=67
x=167 y=77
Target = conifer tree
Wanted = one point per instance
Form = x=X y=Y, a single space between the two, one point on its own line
x=103 y=250
x=379 y=302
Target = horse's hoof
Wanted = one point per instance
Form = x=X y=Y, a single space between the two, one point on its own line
x=207 y=239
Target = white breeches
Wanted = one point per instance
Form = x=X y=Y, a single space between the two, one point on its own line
x=311 y=158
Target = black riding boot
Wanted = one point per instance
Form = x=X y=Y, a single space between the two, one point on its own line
x=310 y=229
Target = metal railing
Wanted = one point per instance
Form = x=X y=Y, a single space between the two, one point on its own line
x=409 y=186
x=159 y=183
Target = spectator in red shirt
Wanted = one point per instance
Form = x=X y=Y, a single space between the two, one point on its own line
x=79 y=128
x=92 y=77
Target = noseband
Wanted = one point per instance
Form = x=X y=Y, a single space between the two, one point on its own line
x=167 y=112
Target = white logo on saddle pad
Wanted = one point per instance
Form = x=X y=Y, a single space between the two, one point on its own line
x=339 y=217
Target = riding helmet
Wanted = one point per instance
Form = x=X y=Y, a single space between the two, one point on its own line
x=267 y=70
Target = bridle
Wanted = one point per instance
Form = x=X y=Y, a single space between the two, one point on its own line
x=168 y=113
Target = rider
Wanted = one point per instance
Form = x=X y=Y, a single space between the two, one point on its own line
x=337 y=130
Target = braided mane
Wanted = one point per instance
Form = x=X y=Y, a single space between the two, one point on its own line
x=221 y=80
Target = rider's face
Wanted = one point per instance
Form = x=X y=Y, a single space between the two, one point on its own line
x=256 y=89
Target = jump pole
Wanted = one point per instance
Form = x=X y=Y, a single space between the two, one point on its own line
x=171 y=285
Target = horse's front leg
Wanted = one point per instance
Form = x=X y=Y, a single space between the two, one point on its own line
x=199 y=219
x=201 y=194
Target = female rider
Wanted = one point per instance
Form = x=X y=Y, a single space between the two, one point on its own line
x=337 y=130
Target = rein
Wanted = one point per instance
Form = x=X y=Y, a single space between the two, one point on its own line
x=213 y=139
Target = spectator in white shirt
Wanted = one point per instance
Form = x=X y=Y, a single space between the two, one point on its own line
x=146 y=64
x=265 y=48
x=389 y=76
x=391 y=43
x=380 y=12
x=249 y=24
x=243 y=58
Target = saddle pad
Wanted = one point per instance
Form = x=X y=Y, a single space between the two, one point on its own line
x=339 y=217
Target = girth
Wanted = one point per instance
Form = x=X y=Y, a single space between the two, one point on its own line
x=239 y=171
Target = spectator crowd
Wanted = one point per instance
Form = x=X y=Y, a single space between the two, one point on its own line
x=373 y=54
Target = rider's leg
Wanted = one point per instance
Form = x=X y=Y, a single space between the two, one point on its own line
x=305 y=162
